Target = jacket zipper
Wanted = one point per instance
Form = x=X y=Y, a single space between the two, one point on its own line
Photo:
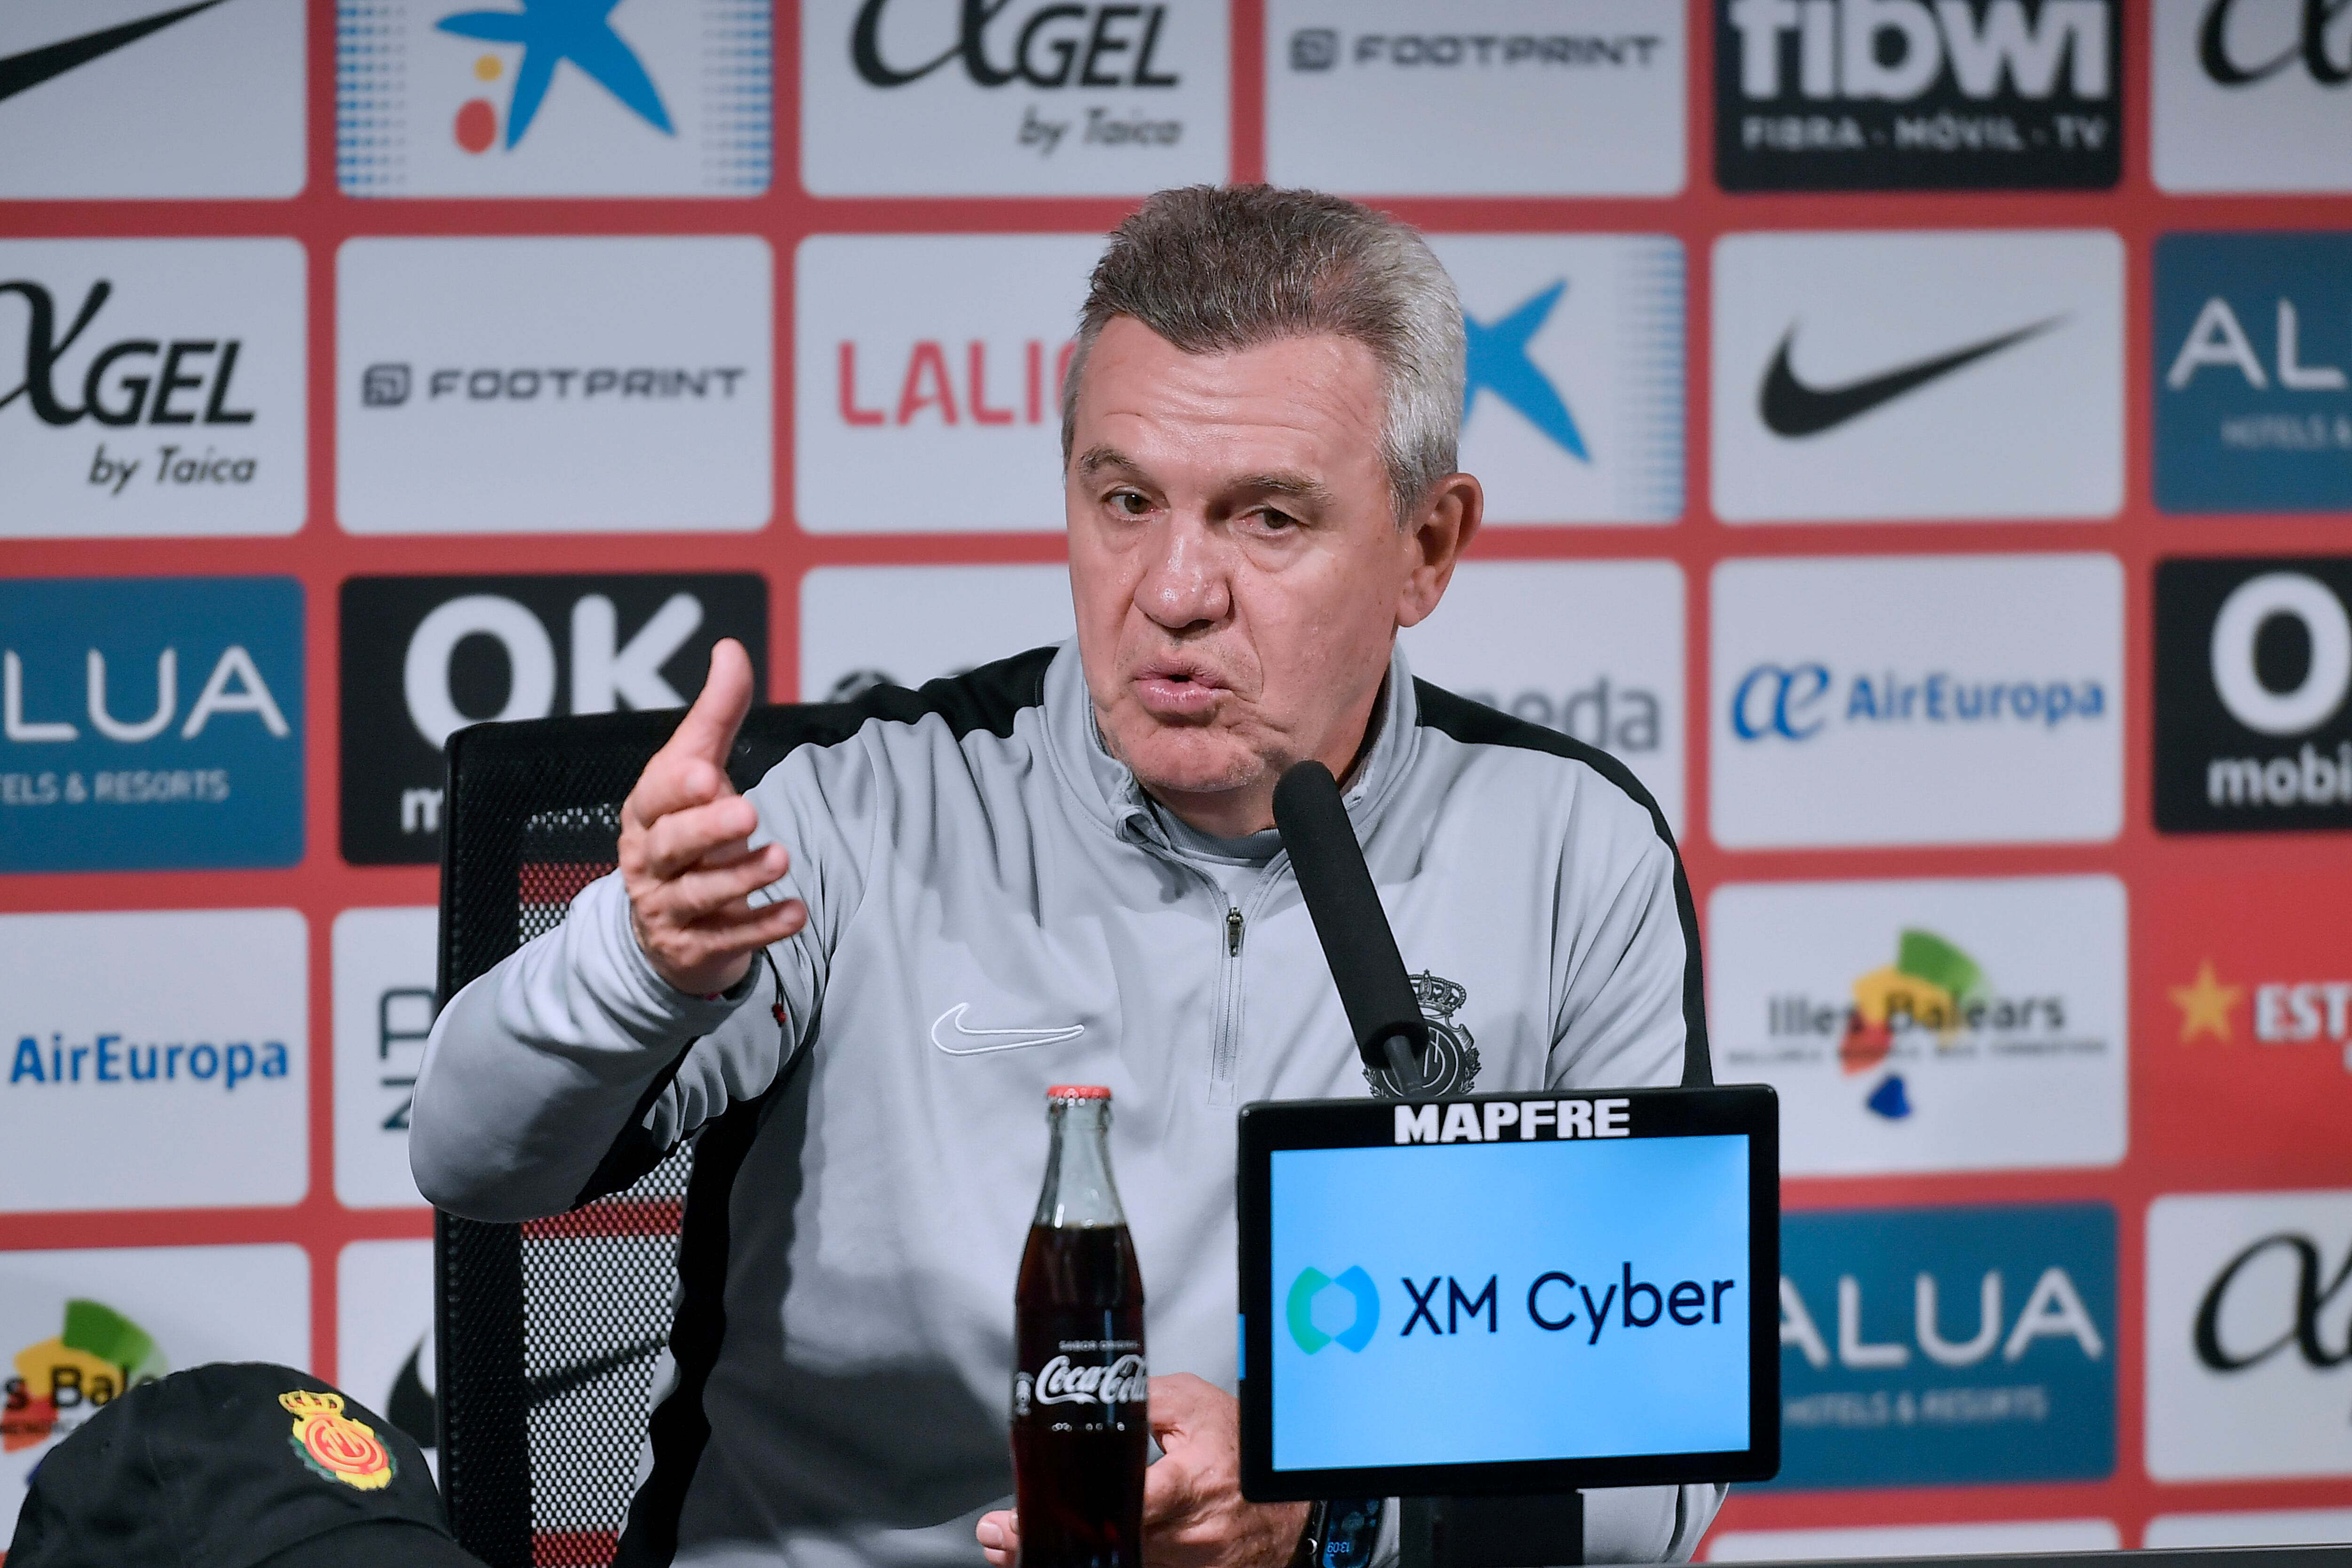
x=1224 y=1055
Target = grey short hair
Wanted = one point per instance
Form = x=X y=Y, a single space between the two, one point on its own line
x=1217 y=270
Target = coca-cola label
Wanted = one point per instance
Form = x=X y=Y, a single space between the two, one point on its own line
x=1064 y=1381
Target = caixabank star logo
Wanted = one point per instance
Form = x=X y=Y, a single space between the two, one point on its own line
x=553 y=98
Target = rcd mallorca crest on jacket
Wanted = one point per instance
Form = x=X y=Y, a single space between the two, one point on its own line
x=1451 y=1064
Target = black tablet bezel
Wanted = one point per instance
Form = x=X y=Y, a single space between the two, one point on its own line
x=1749 y=1109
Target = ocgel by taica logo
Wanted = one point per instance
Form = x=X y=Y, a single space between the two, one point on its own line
x=1315 y=1295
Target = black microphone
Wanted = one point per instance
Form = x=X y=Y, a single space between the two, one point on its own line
x=1354 y=930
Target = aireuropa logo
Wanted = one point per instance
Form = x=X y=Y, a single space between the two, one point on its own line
x=1902 y=94
x=2254 y=664
x=2252 y=95
x=1524 y=98
x=933 y=353
x=1572 y=410
x=78 y=1324
x=2253 y=403
x=1927 y=1026
x=1952 y=700
x=175 y=1038
x=149 y=722
x=532 y=98
x=572 y=384
x=2247 y=1307
x=424 y=656
x=1590 y=649
x=384 y=1007
x=119 y=99
x=151 y=386
x=1948 y=1345
x=1321 y=1309
x=1962 y=374
x=1014 y=98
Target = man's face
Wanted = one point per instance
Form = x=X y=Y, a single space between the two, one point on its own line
x=1237 y=569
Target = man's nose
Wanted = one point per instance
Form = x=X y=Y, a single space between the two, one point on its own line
x=1188 y=583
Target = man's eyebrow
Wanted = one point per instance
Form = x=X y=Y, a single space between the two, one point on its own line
x=1305 y=487
x=1096 y=458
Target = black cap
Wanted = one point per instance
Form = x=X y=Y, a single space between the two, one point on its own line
x=237 y=1464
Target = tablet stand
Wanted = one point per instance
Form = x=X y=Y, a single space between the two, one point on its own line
x=1492 y=1531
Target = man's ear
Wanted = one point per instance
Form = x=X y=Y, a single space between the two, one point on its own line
x=1442 y=530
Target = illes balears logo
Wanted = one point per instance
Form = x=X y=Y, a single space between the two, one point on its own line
x=1933 y=989
x=97 y=1357
x=1352 y=1288
x=551 y=33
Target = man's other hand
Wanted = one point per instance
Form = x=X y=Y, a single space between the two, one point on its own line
x=686 y=854
x=1193 y=1512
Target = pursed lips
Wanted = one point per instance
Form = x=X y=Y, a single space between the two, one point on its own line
x=1178 y=689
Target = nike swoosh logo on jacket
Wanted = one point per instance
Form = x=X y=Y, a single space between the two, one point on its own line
x=847 y=1399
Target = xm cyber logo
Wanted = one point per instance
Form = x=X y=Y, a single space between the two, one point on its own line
x=2253 y=665
x=1896 y=94
x=1322 y=1310
x=1450 y=1065
x=2253 y=401
x=424 y=656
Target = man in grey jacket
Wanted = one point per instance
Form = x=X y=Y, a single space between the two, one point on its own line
x=854 y=985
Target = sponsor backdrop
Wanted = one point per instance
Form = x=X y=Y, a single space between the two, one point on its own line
x=1919 y=443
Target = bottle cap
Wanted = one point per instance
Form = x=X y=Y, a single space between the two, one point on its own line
x=1077 y=1091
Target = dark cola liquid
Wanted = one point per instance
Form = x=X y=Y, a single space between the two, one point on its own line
x=1080 y=1424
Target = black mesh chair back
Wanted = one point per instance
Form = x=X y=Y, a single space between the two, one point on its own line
x=549 y=1332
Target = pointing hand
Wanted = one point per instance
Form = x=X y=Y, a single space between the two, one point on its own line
x=686 y=856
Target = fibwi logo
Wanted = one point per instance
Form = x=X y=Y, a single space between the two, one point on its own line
x=149 y=722
x=1322 y=1310
x=1932 y=1346
x=60 y=1383
x=1572 y=408
x=553 y=98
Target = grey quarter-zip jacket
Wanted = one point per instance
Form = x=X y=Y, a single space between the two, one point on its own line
x=994 y=907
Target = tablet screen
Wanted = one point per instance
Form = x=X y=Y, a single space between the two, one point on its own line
x=1524 y=1300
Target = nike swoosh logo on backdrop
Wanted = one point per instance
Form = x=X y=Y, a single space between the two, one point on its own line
x=980 y=1042
x=1790 y=407
x=33 y=67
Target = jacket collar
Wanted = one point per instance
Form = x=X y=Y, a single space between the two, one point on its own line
x=1107 y=790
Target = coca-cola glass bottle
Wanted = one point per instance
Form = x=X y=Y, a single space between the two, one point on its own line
x=1079 y=1420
